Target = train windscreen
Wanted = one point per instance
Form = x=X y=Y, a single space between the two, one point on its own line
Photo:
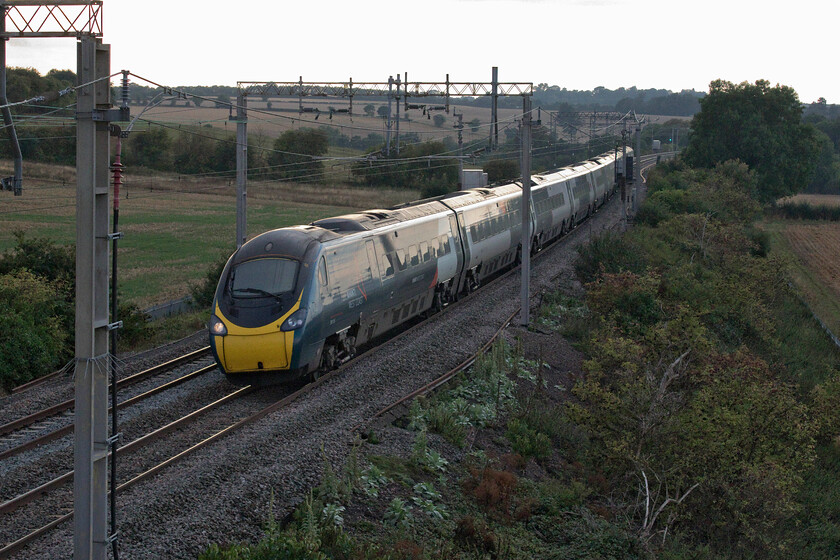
x=263 y=278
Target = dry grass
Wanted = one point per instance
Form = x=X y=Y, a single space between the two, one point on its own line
x=276 y=122
x=812 y=199
x=816 y=248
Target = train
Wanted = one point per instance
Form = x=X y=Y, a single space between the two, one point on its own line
x=298 y=301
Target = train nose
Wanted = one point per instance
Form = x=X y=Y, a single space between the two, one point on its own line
x=258 y=351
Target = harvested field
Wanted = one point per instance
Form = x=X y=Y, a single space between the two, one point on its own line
x=813 y=199
x=816 y=247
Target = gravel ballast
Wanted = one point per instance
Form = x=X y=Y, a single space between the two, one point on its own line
x=222 y=493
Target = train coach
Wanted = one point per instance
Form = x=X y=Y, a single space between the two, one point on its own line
x=299 y=300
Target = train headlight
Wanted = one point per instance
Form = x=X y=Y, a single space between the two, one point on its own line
x=295 y=321
x=216 y=326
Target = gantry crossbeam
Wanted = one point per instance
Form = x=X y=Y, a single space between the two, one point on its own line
x=407 y=89
x=30 y=18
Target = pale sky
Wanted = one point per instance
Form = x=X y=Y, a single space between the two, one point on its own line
x=577 y=44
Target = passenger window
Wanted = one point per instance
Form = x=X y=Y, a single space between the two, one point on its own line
x=388 y=261
x=444 y=244
x=401 y=259
x=412 y=253
x=322 y=272
x=424 y=251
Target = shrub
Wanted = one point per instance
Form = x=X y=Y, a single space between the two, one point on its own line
x=527 y=441
x=34 y=340
x=204 y=291
x=608 y=254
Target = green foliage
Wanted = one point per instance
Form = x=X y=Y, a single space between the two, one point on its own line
x=372 y=480
x=678 y=395
x=526 y=440
x=475 y=402
x=558 y=310
x=502 y=170
x=607 y=253
x=439 y=120
x=204 y=291
x=40 y=318
x=295 y=155
x=47 y=144
x=805 y=211
x=409 y=169
x=33 y=342
x=41 y=257
x=136 y=328
x=760 y=126
x=150 y=148
x=398 y=514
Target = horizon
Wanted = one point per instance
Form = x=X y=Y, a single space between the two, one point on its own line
x=651 y=43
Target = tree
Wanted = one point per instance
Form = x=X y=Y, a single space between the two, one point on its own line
x=501 y=170
x=151 y=148
x=474 y=125
x=439 y=120
x=759 y=125
x=370 y=109
x=292 y=158
x=382 y=111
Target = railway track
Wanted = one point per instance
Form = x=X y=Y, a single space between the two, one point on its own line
x=61 y=413
x=65 y=479
x=301 y=431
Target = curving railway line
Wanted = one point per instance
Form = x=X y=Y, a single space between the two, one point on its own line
x=307 y=425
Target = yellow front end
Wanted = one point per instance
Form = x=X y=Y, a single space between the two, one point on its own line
x=255 y=349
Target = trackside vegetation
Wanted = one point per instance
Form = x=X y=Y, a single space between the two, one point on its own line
x=702 y=423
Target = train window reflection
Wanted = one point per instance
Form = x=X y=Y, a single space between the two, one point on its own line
x=264 y=277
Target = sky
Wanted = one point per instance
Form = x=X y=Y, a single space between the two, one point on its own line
x=574 y=44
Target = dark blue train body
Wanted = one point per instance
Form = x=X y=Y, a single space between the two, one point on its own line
x=299 y=300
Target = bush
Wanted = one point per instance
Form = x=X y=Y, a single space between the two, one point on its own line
x=608 y=254
x=204 y=291
x=34 y=340
x=526 y=440
x=502 y=170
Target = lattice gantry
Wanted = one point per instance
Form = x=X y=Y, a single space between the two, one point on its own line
x=27 y=18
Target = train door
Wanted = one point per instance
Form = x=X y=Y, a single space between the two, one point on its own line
x=371 y=292
x=462 y=250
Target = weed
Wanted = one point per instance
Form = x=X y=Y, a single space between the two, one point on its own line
x=398 y=514
x=372 y=480
x=333 y=514
x=527 y=441
x=493 y=490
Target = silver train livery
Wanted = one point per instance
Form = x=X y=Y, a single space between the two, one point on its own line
x=299 y=300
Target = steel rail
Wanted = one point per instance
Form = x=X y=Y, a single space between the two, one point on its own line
x=43 y=378
x=68 y=404
x=55 y=434
x=23 y=499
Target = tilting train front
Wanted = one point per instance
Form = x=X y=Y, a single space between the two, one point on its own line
x=260 y=308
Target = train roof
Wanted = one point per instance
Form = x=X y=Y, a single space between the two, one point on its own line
x=377 y=218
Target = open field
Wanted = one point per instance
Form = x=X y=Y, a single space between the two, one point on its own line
x=174 y=228
x=813 y=199
x=814 y=251
x=284 y=116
